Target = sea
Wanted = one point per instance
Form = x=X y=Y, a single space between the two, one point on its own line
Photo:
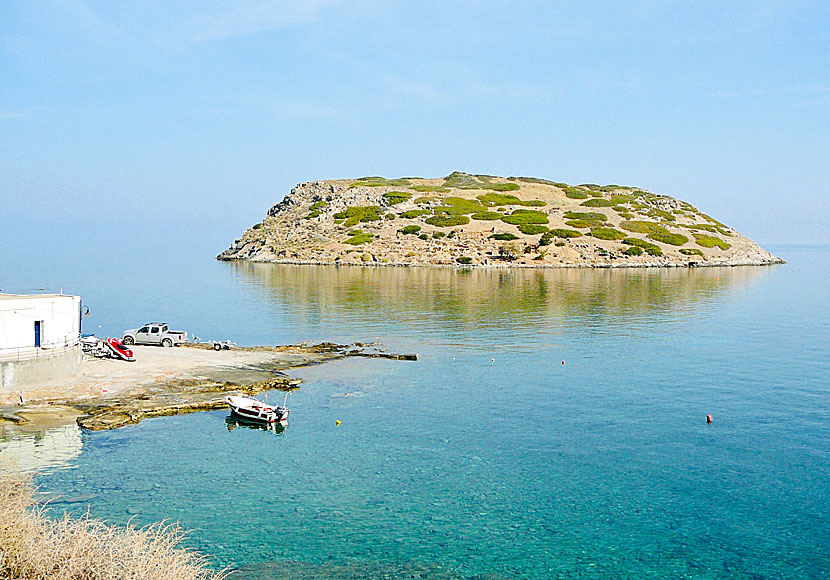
x=553 y=426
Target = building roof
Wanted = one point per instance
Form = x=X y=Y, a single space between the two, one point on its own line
x=33 y=296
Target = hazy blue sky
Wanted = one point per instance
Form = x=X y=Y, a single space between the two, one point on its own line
x=203 y=114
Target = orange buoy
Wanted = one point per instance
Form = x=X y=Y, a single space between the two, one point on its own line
x=708 y=419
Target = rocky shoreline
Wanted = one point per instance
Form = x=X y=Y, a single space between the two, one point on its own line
x=464 y=221
x=189 y=389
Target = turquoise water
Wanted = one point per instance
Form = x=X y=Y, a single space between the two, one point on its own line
x=489 y=458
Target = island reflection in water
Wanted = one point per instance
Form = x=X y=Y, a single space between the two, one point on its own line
x=322 y=296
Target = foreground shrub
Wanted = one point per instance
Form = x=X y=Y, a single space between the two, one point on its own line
x=34 y=547
x=691 y=252
x=633 y=251
x=504 y=236
x=413 y=229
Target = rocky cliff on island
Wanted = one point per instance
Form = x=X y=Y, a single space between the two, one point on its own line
x=482 y=220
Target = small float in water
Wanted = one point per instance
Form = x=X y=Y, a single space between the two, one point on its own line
x=255 y=410
x=119 y=350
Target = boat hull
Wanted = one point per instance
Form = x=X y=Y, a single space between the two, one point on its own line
x=254 y=410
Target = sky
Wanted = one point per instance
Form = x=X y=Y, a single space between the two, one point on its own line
x=123 y=118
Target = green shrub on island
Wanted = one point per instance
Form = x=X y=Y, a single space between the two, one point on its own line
x=565 y=233
x=532 y=229
x=389 y=216
x=487 y=215
x=661 y=214
x=594 y=217
x=652 y=249
x=608 y=233
x=396 y=197
x=458 y=206
x=359 y=237
x=451 y=234
x=504 y=236
x=580 y=224
x=633 y=251
x=502 y=186
x=494 y=199
x=429 y=188
x=575 y=192
x=356 y=214
x=256 y=226
x=537 y=180
x=641 y=227
x=448 y=221
x=706 y=241
x=709 y=228
x=526 y=216
x=424 y=236
x=379 y=182
x=461 y=180
x=425 y=200
x=414 y=213
x=669 y=238
x=691 y=252
x=438 y=235
x=655 y=232
x=315 y=209
x=413 y=229
x=465 y=260
x=597 y=202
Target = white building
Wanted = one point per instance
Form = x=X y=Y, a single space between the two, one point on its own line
x=39 y=340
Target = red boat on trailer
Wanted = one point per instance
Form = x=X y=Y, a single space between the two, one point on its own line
x=119 y=350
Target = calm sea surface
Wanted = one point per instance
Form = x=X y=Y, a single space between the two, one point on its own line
x=489 y=457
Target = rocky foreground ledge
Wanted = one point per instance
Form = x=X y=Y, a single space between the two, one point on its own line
x=467 y=220
x=171 y=381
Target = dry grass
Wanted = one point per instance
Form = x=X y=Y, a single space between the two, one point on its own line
x=35 y=547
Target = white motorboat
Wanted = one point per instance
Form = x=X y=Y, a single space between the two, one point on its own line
x=256 y=410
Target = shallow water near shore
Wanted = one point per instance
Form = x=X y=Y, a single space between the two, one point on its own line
x=489 y=458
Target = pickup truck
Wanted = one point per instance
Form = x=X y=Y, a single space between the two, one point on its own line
x=154 y=333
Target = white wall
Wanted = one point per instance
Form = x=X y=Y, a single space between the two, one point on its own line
x=59 y=316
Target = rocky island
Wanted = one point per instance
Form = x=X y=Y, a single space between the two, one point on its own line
x=481 y=220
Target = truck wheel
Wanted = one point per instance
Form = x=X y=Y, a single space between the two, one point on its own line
x=167 y=342
x=128 y=340
x=217 y=346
